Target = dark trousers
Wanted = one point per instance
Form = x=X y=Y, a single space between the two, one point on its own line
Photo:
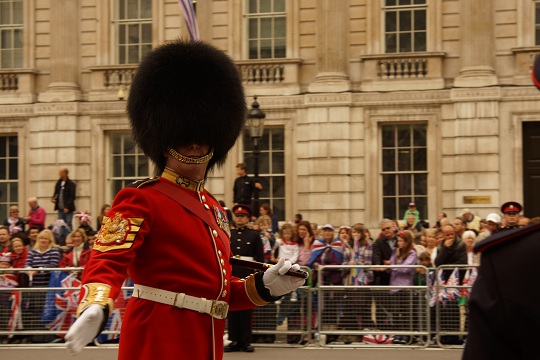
x=239 y=326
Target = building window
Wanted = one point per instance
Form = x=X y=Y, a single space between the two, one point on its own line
x=271 y=167
x=404 y=169
x=9 y=173
x=128 y=162
x=11 y=34
x=266 y=21
x=133 y=30
x=405 y=26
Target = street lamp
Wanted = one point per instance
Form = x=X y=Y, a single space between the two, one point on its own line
x=255 y=119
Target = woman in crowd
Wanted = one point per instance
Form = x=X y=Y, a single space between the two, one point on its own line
x=45 y=254
x=431 y=244
x=19 y=256
x=404 y=254
x=468 y=238
x=104 y=210
x=357 y=311
x=79 y=254
x=265 y=209
x=305 y=240
x=14 y=222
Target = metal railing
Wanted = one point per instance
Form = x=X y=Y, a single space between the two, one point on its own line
x=330 y=315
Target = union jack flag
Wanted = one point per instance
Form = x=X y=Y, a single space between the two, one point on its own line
x=114 y=324
x=15 y=319
x=60 y=311
x=319 y=246
x=191 y=19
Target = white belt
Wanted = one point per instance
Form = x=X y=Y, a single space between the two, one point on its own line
x=215 y=308
x=247 y=258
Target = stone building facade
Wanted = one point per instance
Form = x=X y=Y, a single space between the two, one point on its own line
x=370 y=104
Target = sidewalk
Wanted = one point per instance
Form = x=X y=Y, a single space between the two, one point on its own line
x=261 y=353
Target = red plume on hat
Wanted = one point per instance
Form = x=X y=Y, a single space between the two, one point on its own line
x=536 y=72
x=186 y=93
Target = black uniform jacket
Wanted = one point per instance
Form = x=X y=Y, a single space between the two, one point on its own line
x=504 y=310
x=246 y=242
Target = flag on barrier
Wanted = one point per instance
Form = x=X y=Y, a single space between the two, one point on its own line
x=115 y=320
x=60 y=307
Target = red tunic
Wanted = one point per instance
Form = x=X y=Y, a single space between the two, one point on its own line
x=161 y=244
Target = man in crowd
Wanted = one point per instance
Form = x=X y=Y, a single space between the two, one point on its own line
x=64 y=197
x=5 y=240
x=460 y=225
x=244 y=186
x=247 y=245
x=382 y=252
x=186 y=107
x=36 y=214
x=511 y=210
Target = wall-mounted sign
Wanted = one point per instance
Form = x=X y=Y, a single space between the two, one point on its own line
x=477 y=199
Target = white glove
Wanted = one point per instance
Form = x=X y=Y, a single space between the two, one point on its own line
x=85 y=328
x=280 y=284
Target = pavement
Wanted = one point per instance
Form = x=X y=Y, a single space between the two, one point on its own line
x=261 y=353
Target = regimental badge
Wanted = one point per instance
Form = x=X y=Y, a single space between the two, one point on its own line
x=117 y=233
x=222 y=220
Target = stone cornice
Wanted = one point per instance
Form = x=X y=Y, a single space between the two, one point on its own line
x=17 y=110
x=476 y=94
x=412 y=97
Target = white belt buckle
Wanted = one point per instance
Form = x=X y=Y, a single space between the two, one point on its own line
x=219 y=309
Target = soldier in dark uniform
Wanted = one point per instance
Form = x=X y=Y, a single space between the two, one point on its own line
x=511 y=210
x=504 y=316
x=247 y=245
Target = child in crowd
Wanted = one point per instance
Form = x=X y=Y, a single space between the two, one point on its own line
x=287 y=247
x=263 y=225
x=8 y=280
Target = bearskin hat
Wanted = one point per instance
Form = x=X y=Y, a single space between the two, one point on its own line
x=184 y=93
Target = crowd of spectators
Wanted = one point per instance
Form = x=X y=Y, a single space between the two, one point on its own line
x=26 y=244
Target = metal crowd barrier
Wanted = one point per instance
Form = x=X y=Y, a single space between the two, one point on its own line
x=320 y=314
x=371 y=315
x=288 y=321
x=451 y=323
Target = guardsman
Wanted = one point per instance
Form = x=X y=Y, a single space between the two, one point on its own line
x=503 y=309
x=246 y=244
x=169 y=234
x=511 y=210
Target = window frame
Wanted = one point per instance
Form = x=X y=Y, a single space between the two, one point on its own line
x=116 y=23
x=109 y=175
x=272 y=15
x=413 y=196
x=12 y=27
x=398 y=9
x=267 y=178
x=376 y=43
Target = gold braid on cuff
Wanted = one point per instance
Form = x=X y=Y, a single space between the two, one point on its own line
x=189 y=159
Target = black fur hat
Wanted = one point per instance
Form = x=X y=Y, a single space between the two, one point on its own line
x=183 y=93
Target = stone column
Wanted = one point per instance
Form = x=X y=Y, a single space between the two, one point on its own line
x=64 y=64
x=332 y=41
x=477 y=45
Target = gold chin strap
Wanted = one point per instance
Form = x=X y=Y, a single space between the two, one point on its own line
x=190 y=159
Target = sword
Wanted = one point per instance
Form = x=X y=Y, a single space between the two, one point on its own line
x=262 y=266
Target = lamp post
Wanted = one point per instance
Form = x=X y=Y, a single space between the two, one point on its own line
x=255 y=119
